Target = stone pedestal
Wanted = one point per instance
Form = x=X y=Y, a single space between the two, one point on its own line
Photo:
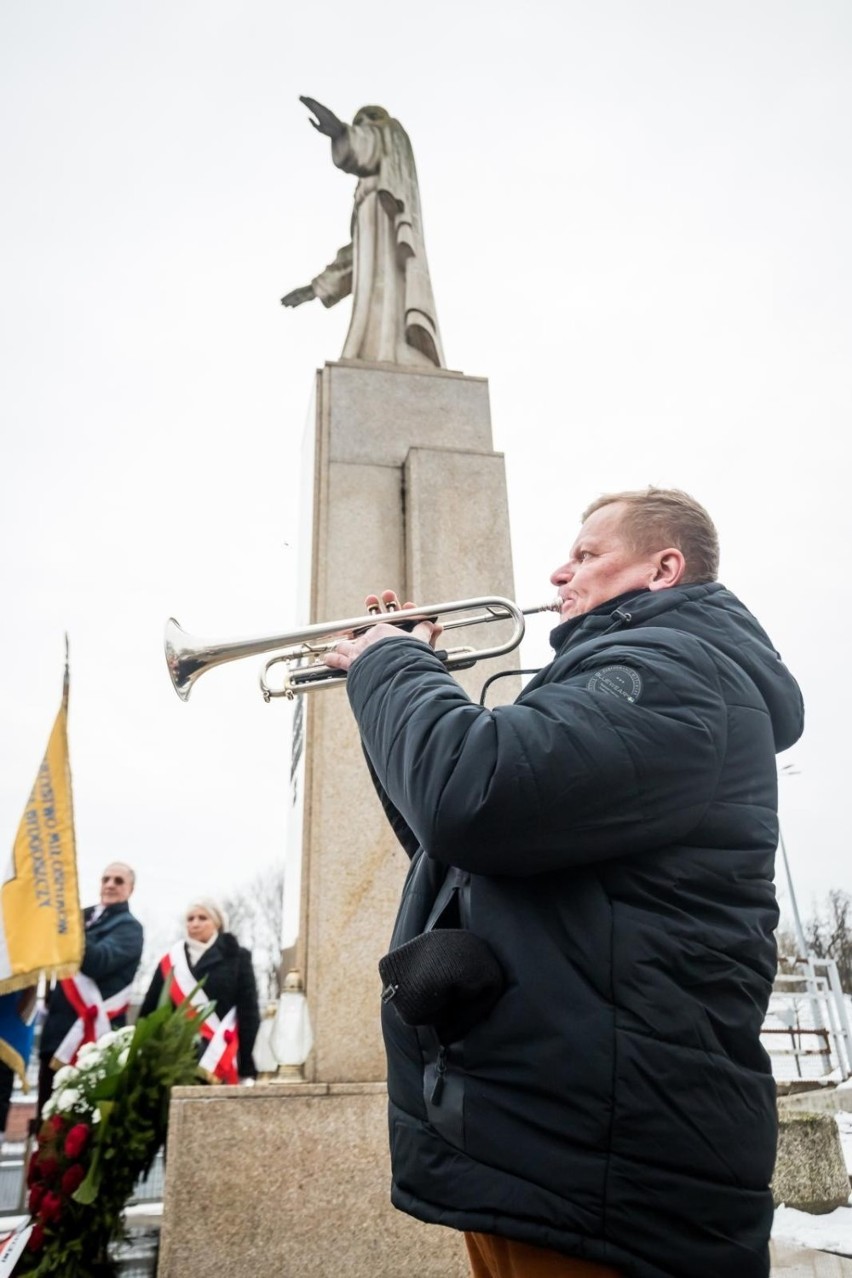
x=810 y=1170
x=407 y=494
x=290 y=1181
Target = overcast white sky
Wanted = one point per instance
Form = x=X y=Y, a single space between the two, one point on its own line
x=637 y=220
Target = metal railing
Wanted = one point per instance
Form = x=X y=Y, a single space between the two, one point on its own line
x=807 y=1030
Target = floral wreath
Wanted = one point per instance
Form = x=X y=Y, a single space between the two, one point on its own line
x=103 y=1125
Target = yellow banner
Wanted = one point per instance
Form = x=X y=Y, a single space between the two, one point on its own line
x=41 y=928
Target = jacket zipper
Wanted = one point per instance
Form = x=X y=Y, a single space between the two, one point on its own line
x=440 y=1072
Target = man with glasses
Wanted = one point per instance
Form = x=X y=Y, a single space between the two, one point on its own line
x=82 y=1007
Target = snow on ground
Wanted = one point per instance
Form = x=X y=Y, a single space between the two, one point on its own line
x=832 y=1232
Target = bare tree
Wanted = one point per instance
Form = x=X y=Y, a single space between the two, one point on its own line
x=788 y=947
x=829 y=935
x=254 y=916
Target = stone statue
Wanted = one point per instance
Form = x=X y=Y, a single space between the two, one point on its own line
x=384 y=267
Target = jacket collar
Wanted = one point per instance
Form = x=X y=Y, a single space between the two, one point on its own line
x=611 y=615
x=213 y=954
x=672 y=606
x=109 y=911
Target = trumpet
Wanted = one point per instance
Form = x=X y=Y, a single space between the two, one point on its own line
x=302 y=651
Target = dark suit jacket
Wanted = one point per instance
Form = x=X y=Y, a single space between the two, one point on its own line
x=111 y=957
x=228 y=978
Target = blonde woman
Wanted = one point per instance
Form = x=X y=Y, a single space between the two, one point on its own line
x=209 y=954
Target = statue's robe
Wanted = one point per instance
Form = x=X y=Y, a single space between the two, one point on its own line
x=393 y=310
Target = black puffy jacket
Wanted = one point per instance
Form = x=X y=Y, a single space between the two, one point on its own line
x=611 y=836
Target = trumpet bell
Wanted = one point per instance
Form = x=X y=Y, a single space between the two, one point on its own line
x=188 y=657
x=182 y=659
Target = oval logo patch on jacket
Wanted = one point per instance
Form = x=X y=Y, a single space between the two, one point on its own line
x=618 y=681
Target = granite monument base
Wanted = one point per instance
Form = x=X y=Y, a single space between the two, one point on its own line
x=290 y=1179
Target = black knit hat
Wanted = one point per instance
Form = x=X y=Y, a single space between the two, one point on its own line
x=448 y=978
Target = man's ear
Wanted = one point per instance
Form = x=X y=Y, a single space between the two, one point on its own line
x=671 y=566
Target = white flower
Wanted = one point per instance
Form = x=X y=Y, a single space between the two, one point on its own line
x=48 y=1108
x=107 y=1040
x=126 y=1032
x=64 y=1075
x=86 y=1050
x=122 y=1057
x=67 y=1098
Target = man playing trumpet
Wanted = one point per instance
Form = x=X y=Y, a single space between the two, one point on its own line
x=584 y=950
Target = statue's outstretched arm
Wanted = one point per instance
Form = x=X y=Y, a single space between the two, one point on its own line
x=298 y=295
x=326 y=121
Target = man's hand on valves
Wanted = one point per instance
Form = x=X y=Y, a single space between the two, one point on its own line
x=347 y=650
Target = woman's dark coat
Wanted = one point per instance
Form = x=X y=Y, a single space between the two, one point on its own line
x=611 y=836
x=228 y=977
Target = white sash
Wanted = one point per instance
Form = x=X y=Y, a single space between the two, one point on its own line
x=218 y=1058
x=94 y=1014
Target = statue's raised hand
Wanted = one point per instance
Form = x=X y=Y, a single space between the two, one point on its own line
x=326 y=121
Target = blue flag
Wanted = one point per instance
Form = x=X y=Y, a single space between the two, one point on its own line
x=17 y=1028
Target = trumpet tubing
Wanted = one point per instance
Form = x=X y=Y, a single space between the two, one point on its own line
x=301 y=651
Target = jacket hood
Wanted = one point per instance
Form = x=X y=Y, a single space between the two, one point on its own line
x=715 y=615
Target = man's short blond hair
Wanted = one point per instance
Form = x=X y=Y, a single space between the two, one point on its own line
x=659 y=517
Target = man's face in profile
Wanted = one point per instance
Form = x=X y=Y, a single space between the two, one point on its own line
x=116 y=883
x=602 y=564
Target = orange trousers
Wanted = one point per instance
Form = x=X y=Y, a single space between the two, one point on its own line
x=493 y=1257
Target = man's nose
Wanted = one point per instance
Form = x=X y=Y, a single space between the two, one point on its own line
x=560 y=576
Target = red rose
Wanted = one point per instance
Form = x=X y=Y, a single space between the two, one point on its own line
x=34 y=1170
x=36 y=1195
x=77 y=1139
x=36 y=1239
x=56 y=1123
x=51 y=1207
x=72 y=1179
x=48 y=1167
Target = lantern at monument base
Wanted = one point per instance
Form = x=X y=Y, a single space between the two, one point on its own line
x=291 y=1037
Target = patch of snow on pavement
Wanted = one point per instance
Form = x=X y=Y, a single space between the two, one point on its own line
x=831 y=1232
